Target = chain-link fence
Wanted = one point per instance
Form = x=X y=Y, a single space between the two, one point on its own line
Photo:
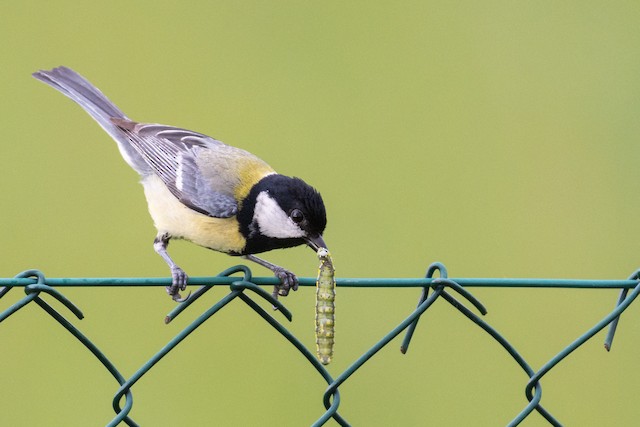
x=436 y=285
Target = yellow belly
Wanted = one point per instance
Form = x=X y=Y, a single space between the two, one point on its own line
x=171 y=216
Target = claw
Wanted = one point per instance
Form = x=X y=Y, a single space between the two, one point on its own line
x=288 y=280
x=283 y=291
x=177 y=297
x=178 y=283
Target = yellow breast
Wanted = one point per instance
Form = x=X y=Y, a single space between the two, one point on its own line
x=171 y=216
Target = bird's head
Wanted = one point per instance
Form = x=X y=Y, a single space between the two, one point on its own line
x=282 y=212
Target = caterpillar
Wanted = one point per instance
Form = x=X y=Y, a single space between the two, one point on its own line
x=325 y=307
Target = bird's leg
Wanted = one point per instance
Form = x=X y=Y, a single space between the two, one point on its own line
x=178 y=276
x=288 y=280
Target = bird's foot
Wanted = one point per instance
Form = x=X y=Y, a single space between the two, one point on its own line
x=288 y=281
x=178 y=283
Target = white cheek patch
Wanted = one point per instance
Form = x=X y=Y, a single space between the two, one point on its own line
x=272 y=220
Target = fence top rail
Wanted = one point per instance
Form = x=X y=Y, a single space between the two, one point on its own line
x=340 y=282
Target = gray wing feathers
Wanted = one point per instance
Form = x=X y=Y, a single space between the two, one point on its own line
x=169 y=152
x=172 y=154
x=197 y=192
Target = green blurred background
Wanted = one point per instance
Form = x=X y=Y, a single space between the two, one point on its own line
x=500 y=138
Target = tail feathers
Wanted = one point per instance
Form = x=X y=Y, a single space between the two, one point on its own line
x=81 y=91
x=89 y=97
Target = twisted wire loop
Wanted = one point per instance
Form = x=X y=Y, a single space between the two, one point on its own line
x=534 y=400
x=438 y=285
x=610 y=319
x=424 y=303
x=533 y=389
x=125 y=387
x=238 y=289
x=241 y=287
x=33 y=292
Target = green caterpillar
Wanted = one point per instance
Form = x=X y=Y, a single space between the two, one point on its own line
x=325 y=307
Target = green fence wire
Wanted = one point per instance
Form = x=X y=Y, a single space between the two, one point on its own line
x=247 y=288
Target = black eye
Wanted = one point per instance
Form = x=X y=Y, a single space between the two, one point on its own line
x=297 y=215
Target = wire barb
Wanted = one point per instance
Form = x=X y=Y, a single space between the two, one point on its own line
x=608 y=341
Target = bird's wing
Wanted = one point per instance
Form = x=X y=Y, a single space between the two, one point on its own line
x=199 y=170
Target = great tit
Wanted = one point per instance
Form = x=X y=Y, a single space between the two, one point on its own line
x=204 y=191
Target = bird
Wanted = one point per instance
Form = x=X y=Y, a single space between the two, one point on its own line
x=204 y=191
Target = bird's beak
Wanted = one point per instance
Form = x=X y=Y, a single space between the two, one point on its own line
x=316 y=242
